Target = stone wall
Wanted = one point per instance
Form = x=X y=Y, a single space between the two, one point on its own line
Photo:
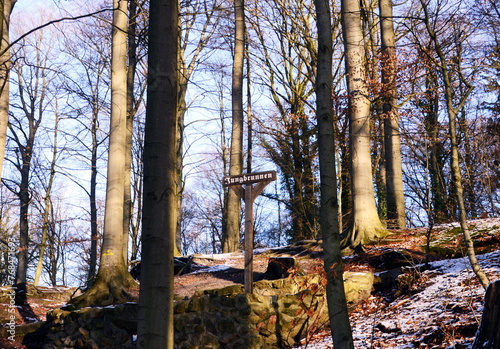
x=277 y=315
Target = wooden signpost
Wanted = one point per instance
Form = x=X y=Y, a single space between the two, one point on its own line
x=244 y=187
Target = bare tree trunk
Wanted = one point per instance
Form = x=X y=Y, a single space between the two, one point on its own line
x=47 y=203
x=6 y=7
x=94 y=233
x=129 y=128
x=155 y=326
x=337 y=306
x=112 y=246
x=396 y=215
x=231 y=236
x=366 y=224
x=113 y=279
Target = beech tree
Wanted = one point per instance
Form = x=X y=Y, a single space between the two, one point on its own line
x=155 y=328
x=366 y=225
x=396 y=215
x=113 y=279
x=232 y=207
x=330 y=229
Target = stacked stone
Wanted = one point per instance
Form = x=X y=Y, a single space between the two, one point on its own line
x=277 y=315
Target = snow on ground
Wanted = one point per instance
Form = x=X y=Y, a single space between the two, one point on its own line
x=443 y=313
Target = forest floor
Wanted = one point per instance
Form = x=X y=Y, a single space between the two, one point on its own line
x=438 y=306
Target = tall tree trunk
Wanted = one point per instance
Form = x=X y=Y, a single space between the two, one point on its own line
x=129 y=129
x=47 y=204
x=337 y=306
x=24 y=198
x=366 y=224
x=26 y=151
x=231 y=237
x=396 y=215
x=113 y=279
x=6 y=7
x=94 y=231
x=155 y=319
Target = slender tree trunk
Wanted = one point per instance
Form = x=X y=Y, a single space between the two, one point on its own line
x=47 y=204
x=24 y=202
x=6 y=7
x=155 y=326
x=24 y=198
x=131 y=69
x=94 y=231
x=396 y=214
x=337 y=306
x=231 y=236
x=366 y=225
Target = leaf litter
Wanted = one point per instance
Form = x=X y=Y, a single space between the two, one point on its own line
x=441 y=309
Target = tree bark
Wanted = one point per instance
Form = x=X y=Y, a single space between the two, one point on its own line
x=155 y=319
x=488 y=334
x=113 y=279
x=6 y=7
x=94 y=230
x=396 y=216
x=366 y=225
x=231 y=237
x=337 y=306
x=129 y=128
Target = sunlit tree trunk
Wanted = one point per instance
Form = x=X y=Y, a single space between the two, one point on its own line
x=6 y=7
x=155 y=318
x=396 y=215
x=366 y=224
x=330 y=229
x=113 y=279
x=231 y=234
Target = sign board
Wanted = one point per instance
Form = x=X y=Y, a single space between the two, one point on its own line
x=249 y=178
x=243 y=186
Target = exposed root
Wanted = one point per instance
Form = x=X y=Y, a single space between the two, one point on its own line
x=116 y=288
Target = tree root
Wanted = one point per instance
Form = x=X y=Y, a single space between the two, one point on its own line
x=108 y=289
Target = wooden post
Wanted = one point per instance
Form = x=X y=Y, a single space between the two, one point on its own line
x=249 y=193
x=249 y=239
